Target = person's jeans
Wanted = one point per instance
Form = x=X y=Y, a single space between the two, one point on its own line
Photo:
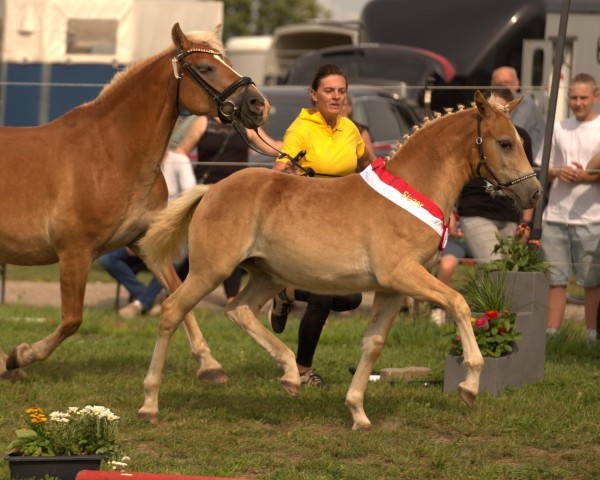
x=123 y=267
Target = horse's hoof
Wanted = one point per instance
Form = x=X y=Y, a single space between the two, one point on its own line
x=291 y=388
x=467 y=396
x=13 y=375
x=12 y=362
x=215 y=375
x=151 y=417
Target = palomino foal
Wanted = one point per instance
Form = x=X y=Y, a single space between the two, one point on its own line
x=382 y=232
x=90 y=181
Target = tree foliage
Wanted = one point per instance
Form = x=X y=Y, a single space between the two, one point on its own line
x=261 y=17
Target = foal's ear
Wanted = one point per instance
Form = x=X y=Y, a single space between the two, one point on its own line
x=482 y=104
x=179 y=38
x=513 y=103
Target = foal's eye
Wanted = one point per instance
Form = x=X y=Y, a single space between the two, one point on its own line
x=506 y=144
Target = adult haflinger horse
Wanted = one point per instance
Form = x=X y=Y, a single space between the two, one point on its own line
x=90 y=181
x=382 y=232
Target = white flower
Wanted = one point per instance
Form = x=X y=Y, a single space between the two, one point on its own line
x=61 y=417
x=117 y=465
x=100 y=412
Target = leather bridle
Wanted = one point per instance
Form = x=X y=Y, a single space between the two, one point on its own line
x=226 y=109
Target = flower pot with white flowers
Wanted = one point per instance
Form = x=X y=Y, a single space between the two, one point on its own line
x=63 y=443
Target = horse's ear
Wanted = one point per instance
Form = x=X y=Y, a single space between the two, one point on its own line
x=513 y=103
x=482 y=104
x=179 y=38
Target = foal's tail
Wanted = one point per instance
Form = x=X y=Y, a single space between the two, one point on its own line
x=167 y=235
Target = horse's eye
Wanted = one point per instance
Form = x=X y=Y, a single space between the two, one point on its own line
x=506 y=144
x=204 y=69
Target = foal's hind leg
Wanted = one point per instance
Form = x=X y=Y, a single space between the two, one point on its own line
x=243 y=309
x=174 y=309
x=384 y=310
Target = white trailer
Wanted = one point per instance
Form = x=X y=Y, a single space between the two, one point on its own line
x=57 y=54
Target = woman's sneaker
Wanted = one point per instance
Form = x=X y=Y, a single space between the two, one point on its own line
x=312 y=378
x=278 y=313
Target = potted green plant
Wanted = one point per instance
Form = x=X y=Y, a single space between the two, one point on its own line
x=63 y=443
x=517 y=284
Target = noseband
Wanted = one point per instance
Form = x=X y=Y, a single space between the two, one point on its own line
x=483 y=163
x=226 y=108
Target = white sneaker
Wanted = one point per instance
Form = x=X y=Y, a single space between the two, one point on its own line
x=438 y=316
x=131 y=310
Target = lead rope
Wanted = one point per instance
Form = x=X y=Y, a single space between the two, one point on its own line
x=308 y=171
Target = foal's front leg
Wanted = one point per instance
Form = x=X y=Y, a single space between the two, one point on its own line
x=210 y=370
x=424 y=286
x=384 y=310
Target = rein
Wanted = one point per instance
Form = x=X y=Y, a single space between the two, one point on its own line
x=483 y=163
x=308 y=171
x=226 y=108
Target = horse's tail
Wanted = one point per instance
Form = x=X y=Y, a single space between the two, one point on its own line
x=167 y=235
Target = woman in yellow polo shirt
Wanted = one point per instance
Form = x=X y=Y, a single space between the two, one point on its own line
x=334 y=147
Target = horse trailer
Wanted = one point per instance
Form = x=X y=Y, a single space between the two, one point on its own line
x=57 y=54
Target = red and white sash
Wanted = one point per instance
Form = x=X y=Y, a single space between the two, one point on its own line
x=402 y=194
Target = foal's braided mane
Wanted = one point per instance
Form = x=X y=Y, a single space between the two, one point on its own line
x=436 y=116
x=426 y=122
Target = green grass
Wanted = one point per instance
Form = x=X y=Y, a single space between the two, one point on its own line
x=251 y=428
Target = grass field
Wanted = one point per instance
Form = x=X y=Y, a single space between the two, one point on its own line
x=251 y=428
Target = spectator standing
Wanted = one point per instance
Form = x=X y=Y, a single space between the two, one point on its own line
x=333 y=146
x=526 y=115
x=571 y=221
x=219 y=143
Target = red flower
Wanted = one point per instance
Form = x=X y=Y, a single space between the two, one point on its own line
x=491 y=314
x=501 y=330
x=481 y=322
x=456 y=339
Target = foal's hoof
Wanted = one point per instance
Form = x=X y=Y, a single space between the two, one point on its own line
x=212 y=376
x=365 y=427
x=292 y=388
x=151 y=417
x=13 y=375
x=467 y=396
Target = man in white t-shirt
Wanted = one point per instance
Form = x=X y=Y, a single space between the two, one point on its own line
x=571 y=220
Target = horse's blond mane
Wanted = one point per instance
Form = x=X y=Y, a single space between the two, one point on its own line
x=204 y=39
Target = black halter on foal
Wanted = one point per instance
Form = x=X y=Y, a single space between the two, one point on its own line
x=482 y=163
x=226 y=108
